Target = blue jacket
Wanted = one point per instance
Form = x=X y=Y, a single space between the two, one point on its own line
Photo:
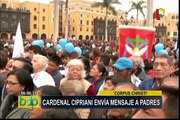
x=148 y=84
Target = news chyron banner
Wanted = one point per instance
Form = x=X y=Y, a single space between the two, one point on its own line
x=136 y=40
x=106 y=100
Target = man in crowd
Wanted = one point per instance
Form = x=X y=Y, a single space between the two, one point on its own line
x=18 y=63
x=139 y=68
x=53 y=69
x=162 y=67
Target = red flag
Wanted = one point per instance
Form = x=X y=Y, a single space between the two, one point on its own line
x=135 y=40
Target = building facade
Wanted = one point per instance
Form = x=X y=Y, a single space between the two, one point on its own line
x=85 y=22
x=167 y=26
x=36 y=19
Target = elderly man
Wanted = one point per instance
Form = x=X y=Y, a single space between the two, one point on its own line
x=139 y=68
x=163 y=67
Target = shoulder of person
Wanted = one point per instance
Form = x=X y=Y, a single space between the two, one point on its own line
x=19 y=113
x=86 y=82
x=62 y=81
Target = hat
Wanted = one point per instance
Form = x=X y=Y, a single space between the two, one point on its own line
x=123 y=63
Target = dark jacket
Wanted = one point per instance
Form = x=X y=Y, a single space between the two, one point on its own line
x=9 y=109
x=57 y=77
x=148 y=84
x=97 y=114
x=97 y=84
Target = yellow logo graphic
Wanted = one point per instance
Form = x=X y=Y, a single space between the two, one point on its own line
x=29 y=102
x=158 y=14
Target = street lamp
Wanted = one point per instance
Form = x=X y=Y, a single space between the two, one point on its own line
x=125 y=21
x=132 y=19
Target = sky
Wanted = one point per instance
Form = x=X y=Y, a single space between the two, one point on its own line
x=170 y=6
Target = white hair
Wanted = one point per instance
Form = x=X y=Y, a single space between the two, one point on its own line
x=75 y=62
x=137 y=60
x=75 y=85
x=41 y=60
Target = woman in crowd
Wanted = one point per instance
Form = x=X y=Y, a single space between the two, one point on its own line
x=75 y=71
x=87 y=66
x=17 y=81
x=98 y=74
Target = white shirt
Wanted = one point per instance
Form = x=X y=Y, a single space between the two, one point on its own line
x=42 y=78
x=135 y=80
x=101 y=88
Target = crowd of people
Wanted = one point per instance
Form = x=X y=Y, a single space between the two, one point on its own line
x=48 y=72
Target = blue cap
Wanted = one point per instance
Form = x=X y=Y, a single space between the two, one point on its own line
x=163 y=52
x=123 y=63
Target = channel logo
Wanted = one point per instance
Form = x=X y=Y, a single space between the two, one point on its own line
x=29 y=102
x=158 y=14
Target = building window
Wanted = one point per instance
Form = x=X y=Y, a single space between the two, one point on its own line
x=87 y=29
x=73 y=28
x=44 y=10
x=174 y=33
x=35 y=18
x=43 y=18
x=14 y=16
x=80 y=28
x=168 y=33
x=23 y=17
x=177 y=17
x=35 y=9
x=81 y=22
x=92 y=23
x=87 y=22
x=35 y=26
x=3 y=5
x=168 y=24
x=173 y=17
x=43 y=27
